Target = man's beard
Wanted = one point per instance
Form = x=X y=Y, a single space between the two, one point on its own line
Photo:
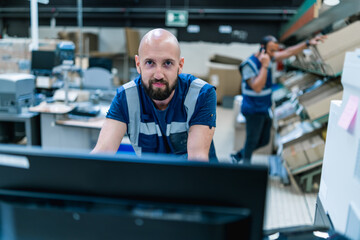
x=159 y=93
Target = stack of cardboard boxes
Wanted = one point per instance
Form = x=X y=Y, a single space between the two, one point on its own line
x=317 y=101
x=15 y=54
x=225 y=76
x=328 y=57
x=90 y=41
x=333 y=50
x=303 y=153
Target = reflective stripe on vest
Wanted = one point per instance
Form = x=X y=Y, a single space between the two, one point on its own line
x=252 y=93
x=132 y=99
x=151 y=128
x=253 y=66
x=191 y=98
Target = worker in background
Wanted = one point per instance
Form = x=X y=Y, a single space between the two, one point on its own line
x=256 y=90
x=162 y=110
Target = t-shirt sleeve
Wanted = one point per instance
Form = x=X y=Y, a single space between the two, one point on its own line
x=205 y=109
x=118 y=109
x=247 y=72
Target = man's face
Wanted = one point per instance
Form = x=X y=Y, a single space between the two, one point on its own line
x=271 y=48
x=159 y=64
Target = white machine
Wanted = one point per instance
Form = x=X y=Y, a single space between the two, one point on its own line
x=16 y=91
x=339 y=195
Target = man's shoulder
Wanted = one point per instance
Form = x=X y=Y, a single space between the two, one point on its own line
x=132 y=84
x=191 y=80
x=251 y=64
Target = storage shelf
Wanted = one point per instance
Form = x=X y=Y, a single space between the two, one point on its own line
x=345 y=9
x=302 y=137
x=306 y=167
x=313 y=71
x=322 y=120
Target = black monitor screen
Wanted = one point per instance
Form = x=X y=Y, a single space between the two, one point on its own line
x=100 y=62
x=42 y=61
x=162 y=180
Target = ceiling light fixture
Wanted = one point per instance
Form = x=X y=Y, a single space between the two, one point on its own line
x=331 y=2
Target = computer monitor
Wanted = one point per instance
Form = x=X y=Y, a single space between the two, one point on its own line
x=42 y=62
x=101 y=62
x=231 y=196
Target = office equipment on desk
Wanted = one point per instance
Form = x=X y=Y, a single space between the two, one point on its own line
x=13 y=127
x=97 y=78
x=65 y=51
x=51 y=108
x=152 y=197
x=101 y=62
x=16 y=91
x=73 y=95
x=85 y=110
x=42 y=62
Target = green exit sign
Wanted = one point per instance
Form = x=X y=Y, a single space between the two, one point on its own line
x=176 y=18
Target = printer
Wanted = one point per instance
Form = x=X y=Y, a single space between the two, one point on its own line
x=16 y=91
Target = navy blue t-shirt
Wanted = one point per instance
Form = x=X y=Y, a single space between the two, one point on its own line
x=204 y=113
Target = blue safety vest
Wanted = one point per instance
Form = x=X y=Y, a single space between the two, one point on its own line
x=143 y=128
x=254 y=102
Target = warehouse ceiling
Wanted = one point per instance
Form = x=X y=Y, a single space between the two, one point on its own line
x=247 y=20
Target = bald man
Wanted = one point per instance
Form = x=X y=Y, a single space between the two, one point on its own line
x=162 y=110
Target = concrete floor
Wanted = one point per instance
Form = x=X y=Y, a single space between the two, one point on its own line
x=285 y=207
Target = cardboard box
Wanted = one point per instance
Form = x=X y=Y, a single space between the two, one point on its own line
x=294 y=156
x=314 y=148
x=15 y=55
x=48 y=44
x=294 y=79
x=90 y=41
x=132 y=42
x=226 y=78
x=216 y=58
x=328 y=87
x=320 y=105
x=340 y=41
x=332 y=51
x=317 y=102
x=335 y=64
x=14 y=48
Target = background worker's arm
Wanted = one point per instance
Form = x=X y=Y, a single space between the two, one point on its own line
x=258 y=82
x=110 y=136
x=293 y=50
x=199 y=140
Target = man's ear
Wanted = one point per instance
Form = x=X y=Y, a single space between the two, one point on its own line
x=137 y=63
x=181 y=64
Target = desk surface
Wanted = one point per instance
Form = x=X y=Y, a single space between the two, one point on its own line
x=96 y=123
x=17 y=116
x=54 y=108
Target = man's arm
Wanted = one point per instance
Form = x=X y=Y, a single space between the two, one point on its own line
x=258 y=82
x=293 y=50
x=199 y=140
x=110 y=136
